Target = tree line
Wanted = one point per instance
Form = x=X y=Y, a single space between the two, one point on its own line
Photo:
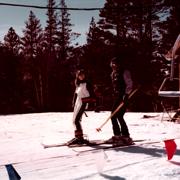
x=37 y=70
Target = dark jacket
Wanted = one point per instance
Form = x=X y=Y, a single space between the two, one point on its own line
x=122 y=82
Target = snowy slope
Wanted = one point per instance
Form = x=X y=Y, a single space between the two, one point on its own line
x=22 y=135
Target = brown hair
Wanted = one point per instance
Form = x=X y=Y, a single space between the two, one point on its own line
x=78 y=73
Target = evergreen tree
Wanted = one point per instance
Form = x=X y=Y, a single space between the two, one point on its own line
x=113 y=18
x=133 y=25
x=131 y=18
x=50 y=35
x=92 y=34
x=12 y=41
x=62 y=76
x=33 y=37
x=96 y=57
x=50 y=56
x=64 y=31
x=9 y=79
x=32 y=42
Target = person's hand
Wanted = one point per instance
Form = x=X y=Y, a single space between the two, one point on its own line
x=73 y=105
x=125 y=98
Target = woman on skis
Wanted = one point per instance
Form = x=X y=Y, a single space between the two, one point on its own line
x=82 y=96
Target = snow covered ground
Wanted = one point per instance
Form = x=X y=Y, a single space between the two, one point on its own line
x=22 y=137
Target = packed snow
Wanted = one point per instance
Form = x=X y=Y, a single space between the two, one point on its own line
x=22 y=137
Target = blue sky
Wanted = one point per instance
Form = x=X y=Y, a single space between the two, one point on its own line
x=16 y=16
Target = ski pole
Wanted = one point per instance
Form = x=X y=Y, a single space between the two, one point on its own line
x=116 y=110
x=85 y=114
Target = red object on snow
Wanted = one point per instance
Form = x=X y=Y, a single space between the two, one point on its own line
x=170 y=148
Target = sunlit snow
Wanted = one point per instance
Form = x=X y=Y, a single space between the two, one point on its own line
x=22 y=137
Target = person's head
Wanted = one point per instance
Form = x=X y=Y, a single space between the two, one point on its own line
x=80 y=77
x=80 y=74
x=115 y=63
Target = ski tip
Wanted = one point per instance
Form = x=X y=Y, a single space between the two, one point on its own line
x=98 y=129
x=44 y=146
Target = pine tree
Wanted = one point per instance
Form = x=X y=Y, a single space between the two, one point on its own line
x=91 y=35
x=32 y=42
x=50 y=35
x=97 y=53
x=64 y=31
x=33 y=37
x=113 y=18
x=9 y=80
x=12 y=41
x=131 y=18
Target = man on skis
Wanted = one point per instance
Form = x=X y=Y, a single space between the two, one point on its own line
x=122 y=85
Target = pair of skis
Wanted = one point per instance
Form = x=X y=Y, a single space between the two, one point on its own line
x=99 y=142
x=136 y=143
x=92 y=143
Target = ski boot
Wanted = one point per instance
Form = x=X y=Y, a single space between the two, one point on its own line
x=117 y=141
x=127 y=140
x=78 y=139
